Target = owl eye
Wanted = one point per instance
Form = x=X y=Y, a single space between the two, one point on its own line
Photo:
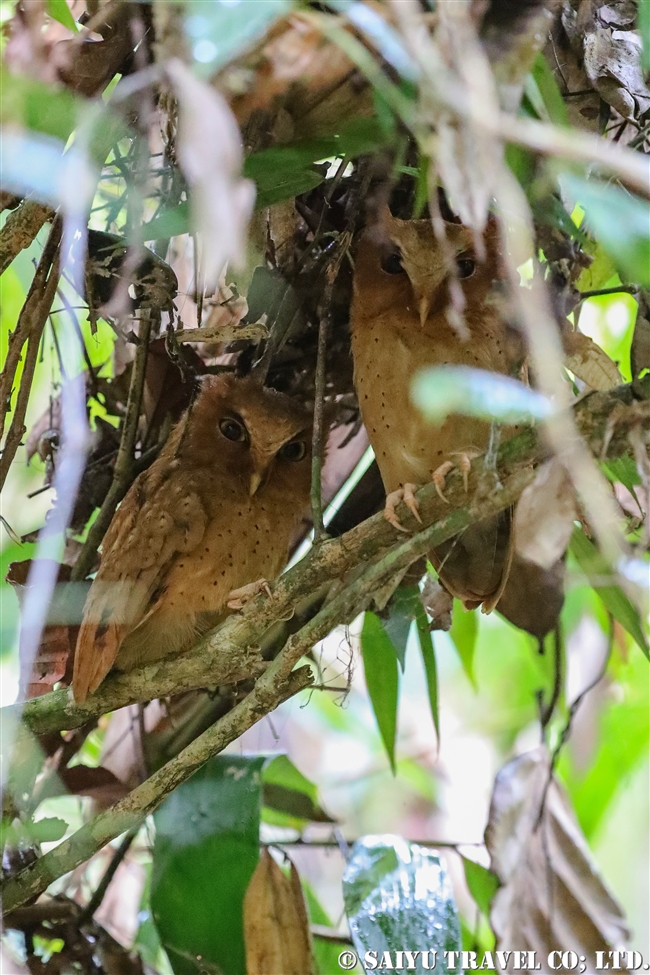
x=466 y=266
x=233 y=430
x=294 y=450
x=392 y=263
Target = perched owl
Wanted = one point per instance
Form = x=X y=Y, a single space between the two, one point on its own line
x=214 y=513
x=399 y=325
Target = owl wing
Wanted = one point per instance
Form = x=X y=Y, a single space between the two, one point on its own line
x=160 y=517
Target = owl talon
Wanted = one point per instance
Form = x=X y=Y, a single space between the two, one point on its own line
x=238 y=598
x=440 y=473
x=407 y=495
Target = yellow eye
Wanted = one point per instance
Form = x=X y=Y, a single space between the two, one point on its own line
x=233 y=430
x=295 y=450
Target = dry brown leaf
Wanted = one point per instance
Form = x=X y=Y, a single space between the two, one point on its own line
x=612 y=60
x=544 y=516
x=590 y=363
x=552 y=897
x=276 y=928
x=210 y=152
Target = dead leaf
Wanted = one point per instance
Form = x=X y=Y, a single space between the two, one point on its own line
x=612 y=61
x=276 y=928
x=590 y=363
x=552 y=897
x=545 y=515
x=97 y=783
x=210 y=152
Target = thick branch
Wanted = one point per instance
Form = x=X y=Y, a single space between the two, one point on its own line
x=20 y=229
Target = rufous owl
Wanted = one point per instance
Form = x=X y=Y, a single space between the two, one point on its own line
x=213 y=514
x=400 y=324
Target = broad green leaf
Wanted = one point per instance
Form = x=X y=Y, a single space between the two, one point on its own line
x=463 y=632
x=619 y=220
x=596 y=568
x=623 y=469
x=30 y=104
x=545 y=88
x=441 y=390
x=59 y=10
x=429 y=660
x=289 y=796
x=398 y=896
x=46 y=830
x=205 y=852
x=644 y=28
x=382 y=679
x=221 y=30
x=482 y=884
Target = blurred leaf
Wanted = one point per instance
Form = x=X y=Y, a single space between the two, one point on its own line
x=546 y=870
x=620 y=221
x=382 y=679
x=482 y=884
x=219 y=31
x=595 y=567
x=644 y=28
x=59 y=10
x=287 y=791
x=600 y=273
x=441 y=390
x=522 y=162
x=30 y=104
x=46 y=830
x=205 y=853
x=623 y=469
x=383 y=36
x=463 y=632
x=429 y=660
x=544 y=93
x=398 y=894
x=326 y=953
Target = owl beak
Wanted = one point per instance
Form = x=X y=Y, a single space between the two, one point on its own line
x=256 y=480
x=424 y=307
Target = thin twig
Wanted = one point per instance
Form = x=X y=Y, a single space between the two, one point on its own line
x=37 y=312
x=100 y=891
x=318 y=429
x=624 y=289
x=123 y=472
x=546 y=710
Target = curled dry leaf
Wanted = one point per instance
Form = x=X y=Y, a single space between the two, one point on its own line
x=210 y=153
x=590 y=363
x=276 y=926
x=612 y=59
x=552 y=897
x=545 y=515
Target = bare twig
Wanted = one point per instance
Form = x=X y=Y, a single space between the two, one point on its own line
x=100 y=891
x=20 y=229
x=318 y=432
x=123 y=473
x=31 y=320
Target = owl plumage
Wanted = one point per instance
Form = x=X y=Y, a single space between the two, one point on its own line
x=400 y=324
x=214 y=513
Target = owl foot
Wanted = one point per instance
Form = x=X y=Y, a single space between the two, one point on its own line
x=407 y=495
x=440 y=473
x=238 y=598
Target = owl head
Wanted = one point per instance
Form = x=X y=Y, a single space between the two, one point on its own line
x=403 y=260
x=259 y=435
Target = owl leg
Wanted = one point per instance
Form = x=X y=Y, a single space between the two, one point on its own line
x=407 y=495
x=440 y=473
x=238 y=598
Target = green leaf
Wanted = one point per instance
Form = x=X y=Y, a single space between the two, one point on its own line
x=623 y=469
x=482 y=884
x=429 y=660
x=441 y=390
x=205 y=852
x=619 y=220
x=59 y=10
x=398 y=894
x=31 y=104
x=463 y=632
x=546 y=93
x=382 y=680
x=286 y=791
x=221 y=30
x=48 y=830
x=595 y=567
x=401 y=615
x=644 y=28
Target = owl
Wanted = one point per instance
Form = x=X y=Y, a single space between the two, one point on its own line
x=400 y=324
x=215 y=513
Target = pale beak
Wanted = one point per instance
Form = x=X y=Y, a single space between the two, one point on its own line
x=256 y=480
x=424 y=306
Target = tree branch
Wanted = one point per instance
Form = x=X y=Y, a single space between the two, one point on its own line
x=20 y=229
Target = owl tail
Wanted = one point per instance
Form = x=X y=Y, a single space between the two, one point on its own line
x=101 y=632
